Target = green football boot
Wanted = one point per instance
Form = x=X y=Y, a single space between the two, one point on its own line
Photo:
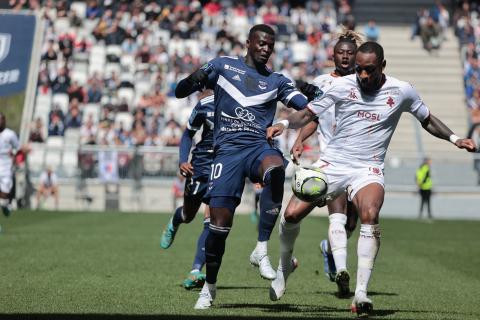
x=168 y=235
x=195 y=279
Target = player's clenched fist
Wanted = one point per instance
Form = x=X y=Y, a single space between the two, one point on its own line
x=186 y=169
x=467 y=144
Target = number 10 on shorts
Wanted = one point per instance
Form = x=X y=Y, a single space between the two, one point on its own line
x=216 y=171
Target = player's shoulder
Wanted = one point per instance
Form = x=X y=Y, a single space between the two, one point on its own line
x=9 y=133
x=207 y=100
x=403 y=86
x=281 y=78
x=323 y=80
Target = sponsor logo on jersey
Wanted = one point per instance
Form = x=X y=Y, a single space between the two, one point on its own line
x=242 y=114
x=5 y=39
x=262 y=84
x=229 y=67
x=236 y=77
x=318 y=94
x=368 y=115
x=390 y=102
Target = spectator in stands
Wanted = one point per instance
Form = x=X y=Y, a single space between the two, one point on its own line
x=106 y=114
x=172 y=134
x=73 y=118
x=56 y=126
x=65 y=43
x=50 y=54
x=93 y=10
x=371 y=31
x=139 y=134
x=88 y=131
x=115 y=34
x=94 y=93
x=431 y=35
x=62 y=82
x=75 y=91
x=106 y=134
x=48 y=186
x=36 y=131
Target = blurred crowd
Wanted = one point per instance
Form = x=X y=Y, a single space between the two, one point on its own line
x=109 y=68
x=430 y=25
x=466 y=22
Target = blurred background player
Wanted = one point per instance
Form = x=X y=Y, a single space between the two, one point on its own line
x=196 y=172
x=368 y=106
x=424 y=183
x=48 y=186
x=246 y=96
x=8 y=148
x=341 y=225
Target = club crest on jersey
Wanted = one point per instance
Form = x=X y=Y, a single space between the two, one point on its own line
x=353 y=94
x=262 y=85
x=390 y=102
x=375 y=171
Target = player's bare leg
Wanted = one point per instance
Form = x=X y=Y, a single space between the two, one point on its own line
x=289 y=228
x=273 y=176
x=368 y=202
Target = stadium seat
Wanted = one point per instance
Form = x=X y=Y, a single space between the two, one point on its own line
x=91 y=109
x=193 y=46
x=127 y=61
x=61 y=25
x=72 y=136
x=80 y=8
x=124 y=118
x=53 y=158
x=80 y=77
x=142 y=87
x=36 y=157
x=114 y=50
x=55 y=142
x=62 y=100
x=126 y=93
x=110 y=68
x=70 y=162
x=301 y=51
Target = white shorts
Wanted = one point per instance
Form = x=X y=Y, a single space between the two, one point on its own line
x=6 y=184
x=349 y=177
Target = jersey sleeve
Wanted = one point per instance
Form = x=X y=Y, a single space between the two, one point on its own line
x=196 y=118
x=212 y=68
x=414 y=104
x=289 y=95
x=328 y=96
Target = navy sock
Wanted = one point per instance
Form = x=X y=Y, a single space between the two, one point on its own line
x=269 y=211
x=199 y=259
x=214 y=250
x=177 y=217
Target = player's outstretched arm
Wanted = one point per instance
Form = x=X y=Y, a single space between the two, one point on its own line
x=437 y=128
x=195 y=81
x=295 y=120
x=304 y=134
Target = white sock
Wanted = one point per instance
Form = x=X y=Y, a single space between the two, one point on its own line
x=368 y=244
x=3 y=202
x=288 y=234
x=261 y=247
x=337 y=238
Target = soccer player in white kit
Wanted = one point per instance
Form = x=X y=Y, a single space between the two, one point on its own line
x=335 y=250
x=368 y=106
x=8 y=147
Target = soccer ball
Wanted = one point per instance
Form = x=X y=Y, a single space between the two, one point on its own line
x=309 y=184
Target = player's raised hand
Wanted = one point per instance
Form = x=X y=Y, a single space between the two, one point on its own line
x=309 y=90
x=467 y=144
x=186 y=169
x=274 y=131
x=296 y=151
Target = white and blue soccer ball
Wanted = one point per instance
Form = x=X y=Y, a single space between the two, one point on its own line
x=309 y=184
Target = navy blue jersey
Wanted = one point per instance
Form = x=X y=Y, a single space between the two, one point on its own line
x=246 y=100
x=203 y=116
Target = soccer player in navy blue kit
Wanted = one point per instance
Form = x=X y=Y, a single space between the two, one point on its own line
x=246 y=95
x=196 y=171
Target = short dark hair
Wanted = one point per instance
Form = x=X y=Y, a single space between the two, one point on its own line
x=261 y=27
x=372 y=47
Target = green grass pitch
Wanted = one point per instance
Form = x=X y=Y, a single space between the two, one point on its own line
x=61 y=265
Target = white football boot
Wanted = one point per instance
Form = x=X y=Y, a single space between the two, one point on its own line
x=263 y=263
x=206 y=297
x=361 y=305
x=279 y=285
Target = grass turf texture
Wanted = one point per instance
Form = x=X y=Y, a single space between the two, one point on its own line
x=110 y=265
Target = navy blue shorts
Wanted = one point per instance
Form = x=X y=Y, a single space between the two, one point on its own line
x=231 y=167
x=195 y=188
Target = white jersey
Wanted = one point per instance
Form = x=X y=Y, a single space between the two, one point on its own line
x=326 y=121
x=48 y=181
x=8 y=144
x=365 y=123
